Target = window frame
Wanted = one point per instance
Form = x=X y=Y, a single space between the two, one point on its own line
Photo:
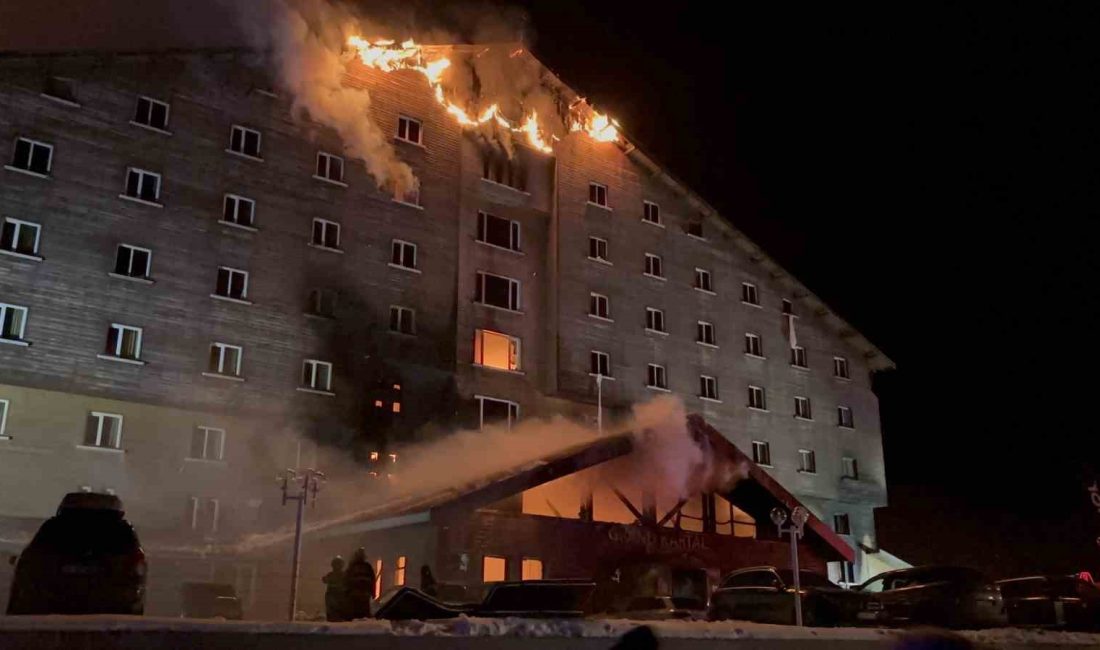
x=701 y=327
x=32 y=145
x=5 y=407
x=765 y=459
x=653 y=262
x=515 y=292
x=148 y=124
x=708 y=388
x=656 y=371
x=514 y=232
x=799 y=358
x=314 y=364
x=406 y=121
x=142 y=175
x=597 y=242
x=594 y=300
x=402 y=311
x=803 y=410
x=515 y=350
x=750 y=294
x=655 y=321
x=122 y=330
x=652 y=208
x=841 y=363
x=700 y=285
x=403 y=246
x=220 y=367
x=513 y=410
x=326 y=226
x=602 y=359
x=206 y=430
x=847 y=521
x=327 y=176
x=26 y=313
x=807 y=461
x=244 y=133
x=19 y=224
x=100 y=416
x=231 y=273
x=237 y=201
x=754 y=390
x=594 y=192
x=849 y=468
x=754 y=345
x=850 y=422
x=147 y=275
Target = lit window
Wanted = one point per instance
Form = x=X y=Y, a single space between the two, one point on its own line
x=798 y=357
x=708 y=387
x=597 y=249
x=807 y=461
x=842 y=525
x=20 y=237
x=599 y=363
x=403 y=254
x=655 y=377
x=850 y=468
x=654 y=320
x=840 y=367
x=496 y=350
x=207 y=443
x=497 y=291
x=844 y=417
x=495 y=231
x=244 y=141
x=494 y=569
x=142 y=185
x=409 y=130
x=399 y=571
x=103 y=430
x=705 y=333
x=151 y=113
x=651 y=212
x=13 y=322
x=496 y=411
x=225 y=359
x=378 y=578
x=653 y=266
x=599 y=306
x=756 y=398
x=761 y=453
x=802 y=408
x=124 y=342
x=239 y=211
x=330 y=168
x=749 y=295
x=232 y=284
x=753 y=346
x=532 y=569
x=703 y=281
x=402 y=320
x=32 y=156
x=597 y=194
x=133 y=262
x=326 y=234
x=317 y=375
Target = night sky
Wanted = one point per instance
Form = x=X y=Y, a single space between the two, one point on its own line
x=931 y=174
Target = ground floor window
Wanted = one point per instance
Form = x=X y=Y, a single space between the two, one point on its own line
x=532 y=569
x=496 y=411
x=377 y=578
x=399 y=571
x=494 y=569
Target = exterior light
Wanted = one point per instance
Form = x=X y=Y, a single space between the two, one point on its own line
x=799 y=516
x=779 y=516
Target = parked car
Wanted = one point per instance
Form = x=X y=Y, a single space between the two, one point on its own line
x=1056 y=601
x=765 y=594
x=935 y=595
x=663 y=608
x=528 y=599
x=84 y=560
x=211 y=600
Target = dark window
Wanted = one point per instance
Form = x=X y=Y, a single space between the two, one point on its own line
x=788 y=308
x=654 y=319
x=597 y=248
x=239 y=210
x=761 y=453
x=756 y=398
x=705 y=333
x=497 y=291
x=653 y=266
x=408 y=129
x=322 y=302
x=752 y=579
x=499 y=168
x=694 y=228
x=143 y=185
x=330 y=167
x=20 y=236
x=703 y=281
x=798 y=357
x=326 y=234
x=403 y=254
x=599 y=306
x=600 y=363
x=597 y=194
x=842 y=525
x=840 y=367
x=651 y=212
x=60 y=88
x=151 y=113
x=655 y=376
x=132 y=261
x=32 y=156
x=497 y=411
x=844 y=417
x=245 y=141
x=232 y=283
x=498 y=232
x=748 y=294
x=753 y=346
x=402 y=320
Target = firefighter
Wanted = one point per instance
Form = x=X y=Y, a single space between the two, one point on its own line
x=336 y=595
x=427 y=581
x=360 y=585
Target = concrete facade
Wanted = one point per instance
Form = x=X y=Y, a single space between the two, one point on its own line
x=52 y=385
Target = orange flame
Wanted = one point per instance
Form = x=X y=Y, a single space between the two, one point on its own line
x=389 y=56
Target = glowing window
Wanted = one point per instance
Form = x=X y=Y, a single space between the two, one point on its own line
x=397 y=407
x=399 y=571
x=532 y=569
x=496 y=350
x=377 y=578
x=494 y=569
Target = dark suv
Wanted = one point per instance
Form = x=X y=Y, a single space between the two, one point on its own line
x=765 y=594
x=932 y=595
x=84 y=560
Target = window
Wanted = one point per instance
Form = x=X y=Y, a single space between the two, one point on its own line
x=597 y=249
x=20 y=236
x=703 y=281
x=326 y=234
x=60 y=88
x=232 y=283
x=399 y=566
x=532 y=569
x=378 y=578
x=151 y=113
x=225 y=359
x=321 y=302
x=655 y=377
x=849 y=468
x=244 y=141
x=497 y=291
x=402 y=320
x=651 y=212
x=202 y=514
x=788 y=308
x=124 y=341
x=133 y=262
x=498 y=167
x=653 y=266
x=142 y=185
x=409 y=130
x=32 y=156
x=317 y=375
x=599 y=306
x=694 y=229
x=654 y=319
x=753 y=346
x=840 y=367
x=756 y=398
x=207 y=443
x=239 y=210
x=330 y=167
x=403 y=254
x=496 y=350
x=749 y=295
x=4 y=419
x=802 y=408
x=842 y=525
x=844 y=417
x=807 y=461
x=705 y=333
x=497 y=232
x=497 y=411
x=494 y=569
x=761 y=453
x=599 y=363
x=104 y=430
x=798 y=357
x=708 y=387
x=408 y=195
x=597 y=194
x=13 y=322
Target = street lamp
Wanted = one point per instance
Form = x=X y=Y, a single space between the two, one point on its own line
x=307 y=482
x=599 y=402
x=799 y=516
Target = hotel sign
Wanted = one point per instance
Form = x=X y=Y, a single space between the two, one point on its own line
x=656 y=541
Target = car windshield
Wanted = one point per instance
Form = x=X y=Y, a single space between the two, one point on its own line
x=805 y=578
x=84 y=531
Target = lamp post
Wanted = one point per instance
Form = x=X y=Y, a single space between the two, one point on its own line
x=798 y=519
x=306 y=483
x=599 y=402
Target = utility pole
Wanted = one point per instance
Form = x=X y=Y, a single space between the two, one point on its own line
x=798 y=519
x=304 y=484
